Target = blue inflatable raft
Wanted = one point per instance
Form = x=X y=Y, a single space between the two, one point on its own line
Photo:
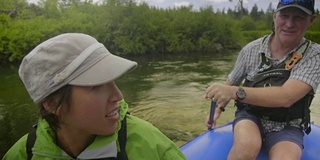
x=216 y=144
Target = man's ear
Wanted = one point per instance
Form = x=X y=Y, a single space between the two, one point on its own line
x=274 y=15
x=313 y=18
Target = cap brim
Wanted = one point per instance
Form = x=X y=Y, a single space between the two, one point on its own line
x=106 y=70
x=297 y=6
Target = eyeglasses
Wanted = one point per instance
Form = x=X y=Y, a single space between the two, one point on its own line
x=305 y=3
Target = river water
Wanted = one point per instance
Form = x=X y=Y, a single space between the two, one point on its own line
x=166 y=90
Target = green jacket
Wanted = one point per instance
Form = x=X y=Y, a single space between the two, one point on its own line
x=144 y=142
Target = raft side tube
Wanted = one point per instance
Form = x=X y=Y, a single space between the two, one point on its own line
x=216 y=144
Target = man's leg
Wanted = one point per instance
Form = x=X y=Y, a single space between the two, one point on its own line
x=247 y=136
x=286 y=144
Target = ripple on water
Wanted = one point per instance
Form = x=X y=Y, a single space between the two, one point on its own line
x=178 y=110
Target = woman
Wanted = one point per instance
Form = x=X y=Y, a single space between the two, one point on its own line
x=83 y=114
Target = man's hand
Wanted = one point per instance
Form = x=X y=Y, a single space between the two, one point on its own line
x=221 y=93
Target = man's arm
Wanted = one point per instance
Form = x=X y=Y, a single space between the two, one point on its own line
x=279 y=96
x=282 y=96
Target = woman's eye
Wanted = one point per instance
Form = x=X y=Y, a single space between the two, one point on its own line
x=96 y=87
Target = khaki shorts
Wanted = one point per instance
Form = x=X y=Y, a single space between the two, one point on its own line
x=269 y=139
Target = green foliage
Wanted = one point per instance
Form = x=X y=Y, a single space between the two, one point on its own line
x=313 y=36
x=316 y=24
x=247 y=23
x=12 y=5
x=252 y=35
x=127 y=27
x=24 y=35
x=5 y=24
x=135 y=32
x=255 y=13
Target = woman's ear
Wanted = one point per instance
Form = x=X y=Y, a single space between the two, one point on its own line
x=52 y=105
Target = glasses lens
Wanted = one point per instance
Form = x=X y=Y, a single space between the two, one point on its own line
x=305 y=3
x=300 y=2
x=285 y=2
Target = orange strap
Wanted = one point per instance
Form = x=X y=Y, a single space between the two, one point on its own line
x=297 y=55
x=293 y=60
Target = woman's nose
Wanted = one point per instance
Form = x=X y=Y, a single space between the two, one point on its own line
x=116 y=93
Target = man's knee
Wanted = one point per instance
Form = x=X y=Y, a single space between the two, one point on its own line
x=285 y=150
x=247 y=141
x=243 y=153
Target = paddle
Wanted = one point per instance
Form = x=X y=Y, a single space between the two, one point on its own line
x=212 y=110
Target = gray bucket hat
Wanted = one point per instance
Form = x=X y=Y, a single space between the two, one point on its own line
x=70 y=58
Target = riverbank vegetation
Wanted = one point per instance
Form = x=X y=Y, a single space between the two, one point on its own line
x=128 y=27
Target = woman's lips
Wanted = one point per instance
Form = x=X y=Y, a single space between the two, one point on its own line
x=113 y=113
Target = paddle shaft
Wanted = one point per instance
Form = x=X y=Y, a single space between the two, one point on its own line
x=212 y=110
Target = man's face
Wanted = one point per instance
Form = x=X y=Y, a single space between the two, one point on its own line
x=291 y=25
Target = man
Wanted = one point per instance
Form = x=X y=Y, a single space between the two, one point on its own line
x=281 y=73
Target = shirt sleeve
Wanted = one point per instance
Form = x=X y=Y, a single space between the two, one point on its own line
x=308 y=69
x=237 y=74
x=247 y=61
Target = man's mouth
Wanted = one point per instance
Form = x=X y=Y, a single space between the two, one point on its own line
x=287 y=31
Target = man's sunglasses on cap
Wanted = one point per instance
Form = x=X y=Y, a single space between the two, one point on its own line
x=305 y=3
x=308 y=4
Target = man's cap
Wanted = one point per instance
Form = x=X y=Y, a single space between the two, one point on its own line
x=70 y=58
x=305 y=5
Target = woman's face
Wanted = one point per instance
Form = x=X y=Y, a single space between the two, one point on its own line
x=93 y=110
x=291 y=25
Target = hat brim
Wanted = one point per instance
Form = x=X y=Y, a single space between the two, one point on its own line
x=297 y=6
x=106 y=70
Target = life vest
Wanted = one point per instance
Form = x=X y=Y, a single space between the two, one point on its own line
x=276 y=75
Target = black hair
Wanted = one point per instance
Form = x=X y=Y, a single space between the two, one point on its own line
x=59 y=98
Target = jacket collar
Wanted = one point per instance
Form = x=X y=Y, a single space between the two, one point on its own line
x=102 y=147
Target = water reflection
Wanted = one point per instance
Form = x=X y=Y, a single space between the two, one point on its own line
x=170 y=91
x=17 y=112
x=166 y=90
x=172 y=97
